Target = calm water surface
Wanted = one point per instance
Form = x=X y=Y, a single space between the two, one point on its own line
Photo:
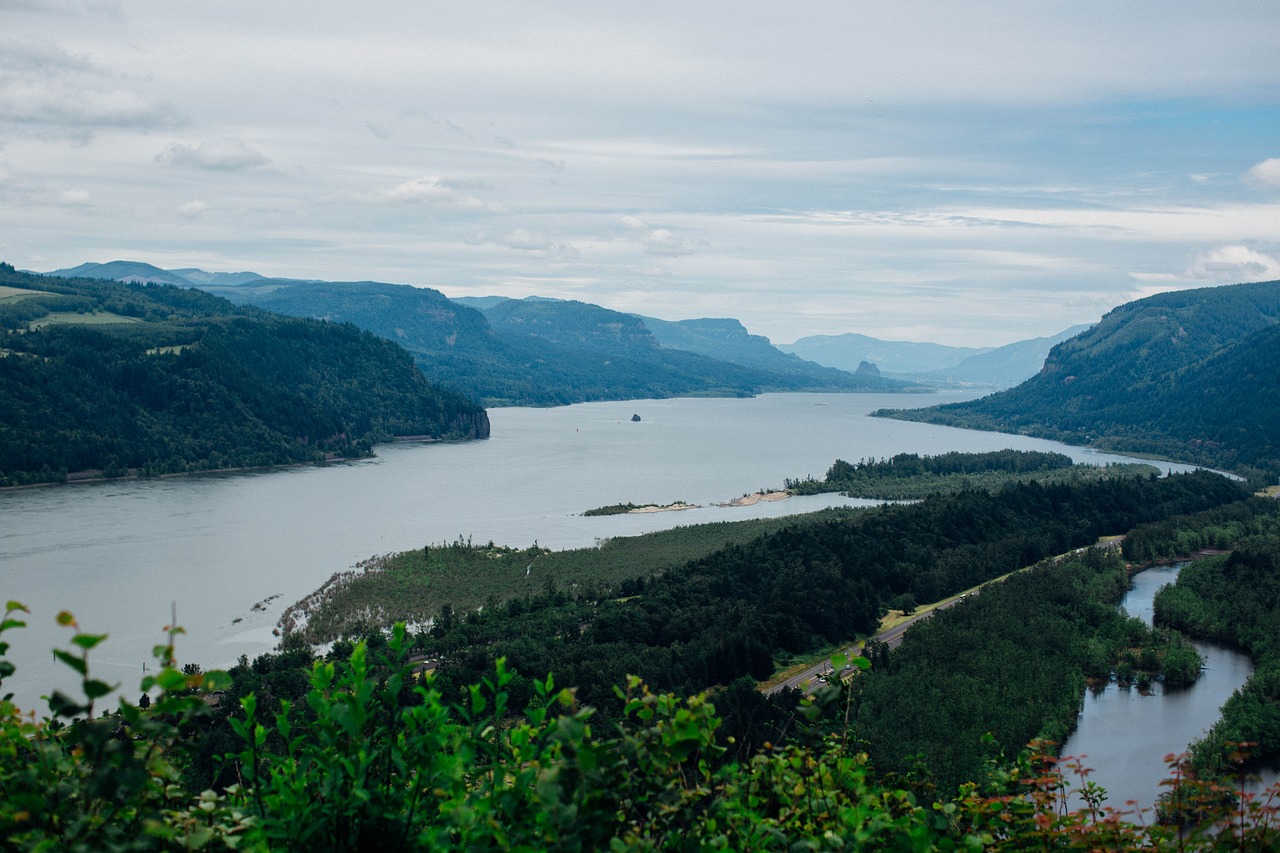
x=1124 y=734
x=231 y=551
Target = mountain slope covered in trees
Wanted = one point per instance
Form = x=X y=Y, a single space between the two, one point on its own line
x=1189 y=375
x=115 y=377
x=529 y=351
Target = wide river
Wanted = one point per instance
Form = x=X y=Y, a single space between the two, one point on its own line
x=229 y=552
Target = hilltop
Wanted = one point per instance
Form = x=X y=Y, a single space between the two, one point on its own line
x=534 y=351
x=1188 y=375
x=112 y=378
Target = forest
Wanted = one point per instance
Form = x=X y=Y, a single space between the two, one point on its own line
x=812 y=583
x=372 y=756
x=118 y=379
x=1235 y=599
x=909 y=476
x=1165 y=375
x=577 y=738
x=537 y=352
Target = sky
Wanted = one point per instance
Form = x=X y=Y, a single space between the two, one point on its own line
x=966 y=173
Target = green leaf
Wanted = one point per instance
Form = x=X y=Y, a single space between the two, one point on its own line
x=88 y=641
x=12 y=623
x=65 y=618
x=72 y=661
x=16 y=605
x=95 y=689
x=217 y=680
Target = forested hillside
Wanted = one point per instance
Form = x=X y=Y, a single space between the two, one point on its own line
x=1188 y=375
x=537 y=352
x=112 y=377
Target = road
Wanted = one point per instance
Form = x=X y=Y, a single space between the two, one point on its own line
x=808 y=680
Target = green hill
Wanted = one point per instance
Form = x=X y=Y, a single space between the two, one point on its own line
x=1189 y=375
x=113 y=377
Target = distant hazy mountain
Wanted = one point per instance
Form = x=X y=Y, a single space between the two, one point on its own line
x=847 y=351
x=126 y=271
x=998 y=367
x=1004 y=366
x=1193 y=374
x=695 y=345
x=728 y=340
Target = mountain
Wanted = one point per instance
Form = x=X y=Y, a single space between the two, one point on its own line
x=127 y=271
x=1003 y=366
x=695 y=345
x=532 y=351
x=728 y=340
x=112 y=376
x=1189 y=375
x=846 y=351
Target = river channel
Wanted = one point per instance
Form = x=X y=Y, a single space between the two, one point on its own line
x=230 y=552
x=1123 y=733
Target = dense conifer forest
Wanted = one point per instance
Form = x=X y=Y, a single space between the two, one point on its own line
x=116 y=379
x=1188 y=375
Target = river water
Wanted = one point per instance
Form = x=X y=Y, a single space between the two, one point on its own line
x=229 y=552
x=1124 y=734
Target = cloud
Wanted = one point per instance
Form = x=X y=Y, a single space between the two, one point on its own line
x=75 y=198
x=226 y=155
x=1234 y=264
x=192 y=209
x=434 y=191
x=659 y=241
x=42 y=84
x=1265 y=174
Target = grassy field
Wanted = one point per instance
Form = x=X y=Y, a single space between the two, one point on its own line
x=414 y=585
x=8 y=293
x=96 y=318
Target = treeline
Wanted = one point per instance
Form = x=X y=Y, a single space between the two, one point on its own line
x=1217 y=528
x=374 y=758
x=1235 y=599
x=1187 y=375
x=808 y=585
x=909 y=476
x=413 y=586
x=121 y=378
x=1011 y=662
x=536 y=352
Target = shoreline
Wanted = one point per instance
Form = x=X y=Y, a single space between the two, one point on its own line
x=757 y=497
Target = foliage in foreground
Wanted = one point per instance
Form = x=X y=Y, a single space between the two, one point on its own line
x=374 y=760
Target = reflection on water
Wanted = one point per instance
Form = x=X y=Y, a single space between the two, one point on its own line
x=1124 y=734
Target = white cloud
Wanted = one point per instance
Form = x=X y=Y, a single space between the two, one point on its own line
x=43 y=84
x=192 y=209
x=75 y=198
x=228 y=155
x=1266 y=173
x=433 y=191
x=658 y=241
x=1234 y=264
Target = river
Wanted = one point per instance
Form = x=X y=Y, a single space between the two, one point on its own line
x=229 y=552
x=1123 y=734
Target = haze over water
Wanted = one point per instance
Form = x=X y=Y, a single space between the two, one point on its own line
x=120 y=554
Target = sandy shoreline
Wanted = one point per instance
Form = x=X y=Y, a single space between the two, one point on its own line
x=668 y=508
x=751 y=500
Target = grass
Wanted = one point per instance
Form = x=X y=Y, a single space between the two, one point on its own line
x=414 y=585
x=96 y=318
x=12 y=294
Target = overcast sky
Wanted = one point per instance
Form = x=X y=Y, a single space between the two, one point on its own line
x=967 y=173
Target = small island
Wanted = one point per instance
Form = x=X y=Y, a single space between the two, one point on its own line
x=623 y=509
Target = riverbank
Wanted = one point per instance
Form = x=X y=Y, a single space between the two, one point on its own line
x=757 y=497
